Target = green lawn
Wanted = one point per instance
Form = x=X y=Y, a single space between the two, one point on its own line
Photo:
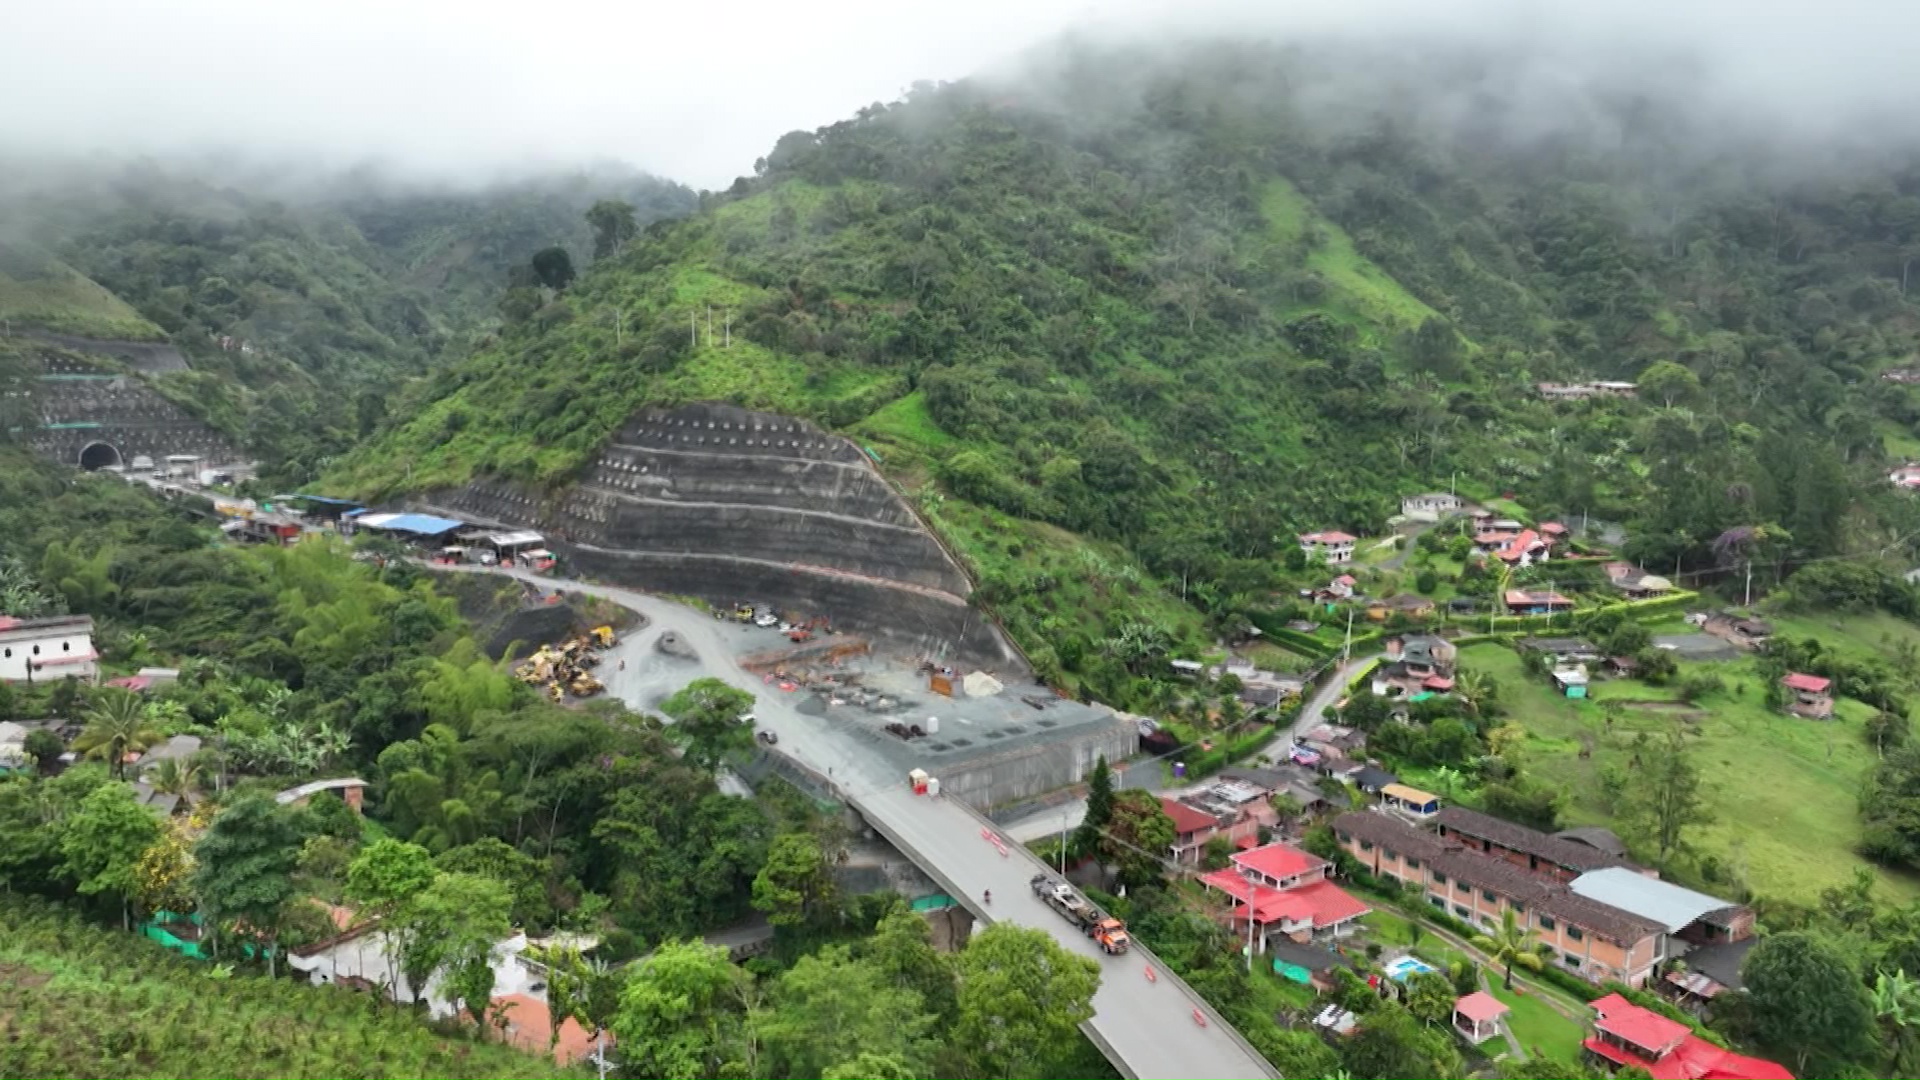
x=1782 y=791
x=1540 y=1029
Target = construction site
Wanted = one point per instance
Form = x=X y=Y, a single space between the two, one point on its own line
x=565 y=670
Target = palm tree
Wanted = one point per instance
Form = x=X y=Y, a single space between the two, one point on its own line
x=176 y=777
x=1509 y=945
x=1474 y=691
x=117 y=725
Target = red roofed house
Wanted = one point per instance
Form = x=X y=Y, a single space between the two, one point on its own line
x=1628 y=1036
x=1525 y=549
x=1477 y=1016
x=1192 y=828
x=1808 y=695
x=1286 y=893
x=47 y=650
x=1331 y=545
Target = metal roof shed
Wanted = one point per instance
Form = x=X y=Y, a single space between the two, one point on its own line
x=416 y=524
x=1658 y=901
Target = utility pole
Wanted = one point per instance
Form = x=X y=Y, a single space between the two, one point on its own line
x=1748 y=602
x=1064 y=830
x=1346 y=651
x=693 y=329
x=728 y=340
x=709 y=326
x=619 y=326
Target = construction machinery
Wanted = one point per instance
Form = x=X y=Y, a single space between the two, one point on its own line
x=1107 y=932
x=565 y=668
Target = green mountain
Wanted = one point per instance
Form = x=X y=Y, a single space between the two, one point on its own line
x=1129 y=327
x=39 y=290
x=303 y=312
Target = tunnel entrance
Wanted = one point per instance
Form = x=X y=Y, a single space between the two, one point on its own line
x=99 y=455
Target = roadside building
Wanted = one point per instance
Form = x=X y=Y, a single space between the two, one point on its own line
x=1285 y=893
x=1331 y=545
x=47 y=649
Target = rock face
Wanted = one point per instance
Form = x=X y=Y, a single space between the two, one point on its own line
x=94 y=419
x=731 y=505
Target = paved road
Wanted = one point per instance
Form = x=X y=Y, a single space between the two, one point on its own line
x=1146 y=1028
x=1316 y=708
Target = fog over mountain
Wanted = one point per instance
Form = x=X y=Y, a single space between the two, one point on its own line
x=472 y=91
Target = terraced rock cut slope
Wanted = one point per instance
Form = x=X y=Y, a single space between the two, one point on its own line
x=91 y=418
x=728 y=505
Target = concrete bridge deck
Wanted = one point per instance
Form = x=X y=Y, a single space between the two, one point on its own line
x=1147 y=1029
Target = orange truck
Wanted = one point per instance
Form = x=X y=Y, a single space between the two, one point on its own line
x=1107 y=932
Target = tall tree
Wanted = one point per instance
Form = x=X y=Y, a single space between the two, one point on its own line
x=709 y=720
x=383 y=876
x=117 y=726
x=1086 y=839
x=795 y=886
x=1139 y=837
x=1807 y=1003
x=1664 y=791
x=1392 y=1044
x=613 y=225
x=830 y=1008
x=553 y=267
x=103 y=841
x=901 y=947
x=246 y=863
x=452 y=927
x=681 y=1012
x=1022 y=1000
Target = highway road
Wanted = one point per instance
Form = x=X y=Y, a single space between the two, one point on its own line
x=1146 y=1027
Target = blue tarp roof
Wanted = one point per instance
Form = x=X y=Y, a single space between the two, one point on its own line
x=324 y=499
x=420 y=524
x=355 y=513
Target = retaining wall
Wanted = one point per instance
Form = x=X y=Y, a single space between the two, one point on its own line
x=149 y=357
x=76 y=407
x=727 y=505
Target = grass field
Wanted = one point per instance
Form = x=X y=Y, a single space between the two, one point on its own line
x=1358 y=289
x=37 y=289
x=1541 y=1029
x=1782 y=791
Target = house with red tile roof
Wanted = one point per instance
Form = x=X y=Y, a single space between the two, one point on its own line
x=1808 y=695
x=1330 y=544
x=1286 y=893
x=1192 y=828
x=1526 y=548
x=1628 y=1036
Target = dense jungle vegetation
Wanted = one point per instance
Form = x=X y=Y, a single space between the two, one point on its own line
x=303 y=307
x=1139 y=321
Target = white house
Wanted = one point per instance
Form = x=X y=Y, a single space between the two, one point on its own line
x=1435 y=503
x=43 y=650
x=358 y=958
x=1331 y=545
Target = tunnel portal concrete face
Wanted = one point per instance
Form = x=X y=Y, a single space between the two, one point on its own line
x=98 y=455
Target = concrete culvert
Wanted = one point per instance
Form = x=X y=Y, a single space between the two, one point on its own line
x=99 y=455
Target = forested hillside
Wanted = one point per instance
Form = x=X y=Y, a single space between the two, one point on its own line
x=1173 y=306
x=303 y=309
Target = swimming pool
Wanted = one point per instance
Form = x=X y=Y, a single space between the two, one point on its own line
x=1402 y=966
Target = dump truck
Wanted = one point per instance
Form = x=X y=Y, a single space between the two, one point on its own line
x=1107 y=932
x=605 y=637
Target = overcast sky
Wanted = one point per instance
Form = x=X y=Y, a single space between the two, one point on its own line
x=698 y=90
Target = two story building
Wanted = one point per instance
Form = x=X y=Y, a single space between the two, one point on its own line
x=1286 y=893
x=1478 y=884
x=48 y=649
x=1431 y=504
x=1330 y=544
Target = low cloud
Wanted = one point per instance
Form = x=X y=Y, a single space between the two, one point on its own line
x=478 y=89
